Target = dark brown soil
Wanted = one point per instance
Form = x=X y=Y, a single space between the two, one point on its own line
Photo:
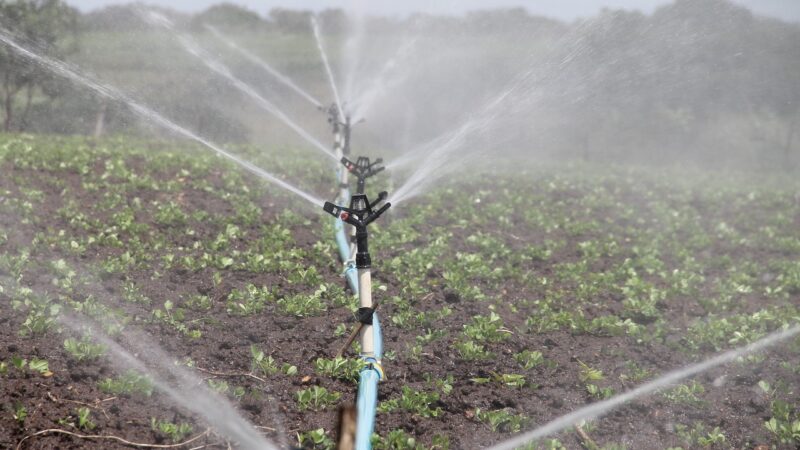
x=732 y=399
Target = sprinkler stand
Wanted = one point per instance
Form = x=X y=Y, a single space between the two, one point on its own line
x=341 y=147
x=359 y=215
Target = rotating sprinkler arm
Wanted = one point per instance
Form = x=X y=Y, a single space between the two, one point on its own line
x=362 y=169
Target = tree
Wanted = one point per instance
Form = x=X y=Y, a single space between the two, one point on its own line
x=228 y=15
x=41 y=24
x=290 y=21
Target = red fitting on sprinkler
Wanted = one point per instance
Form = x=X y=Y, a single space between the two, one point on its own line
x=345 y=215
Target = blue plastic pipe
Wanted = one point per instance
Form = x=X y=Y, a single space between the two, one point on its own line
x=367 y=402
x=350 y=270
x=343 y=242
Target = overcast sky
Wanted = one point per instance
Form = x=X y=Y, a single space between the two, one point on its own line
x=562 y=9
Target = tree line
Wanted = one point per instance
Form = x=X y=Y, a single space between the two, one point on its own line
x=695 y=75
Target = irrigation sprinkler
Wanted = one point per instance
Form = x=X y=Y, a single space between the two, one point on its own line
x=341 y=146
x=360 y=214
x=362 y=169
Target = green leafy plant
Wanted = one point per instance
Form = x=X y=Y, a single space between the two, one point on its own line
x=19 y=413
x=416 y=402
x=347 y=369
x=686 y=393
x=251 y=300
x=84 y=349
x=175 y=432
x=501 y=420
x=261 y=363
x=315 y=439
x=84 y=421
x=316 y=398
x=529 y=359
x=127 y=384
x=472 y=351
x=486 y=329
x=506 y=379
x=589 y=373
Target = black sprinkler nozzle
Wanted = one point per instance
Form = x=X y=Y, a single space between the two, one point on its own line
x=359 y=214
x=362 y=169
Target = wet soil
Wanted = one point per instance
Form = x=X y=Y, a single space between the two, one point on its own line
x=732 y=399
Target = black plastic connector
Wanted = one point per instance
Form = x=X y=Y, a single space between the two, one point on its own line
x=359 y=215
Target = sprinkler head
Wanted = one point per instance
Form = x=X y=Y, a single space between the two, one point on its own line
x=361 y=212
x=359 y=215
x=362 y=169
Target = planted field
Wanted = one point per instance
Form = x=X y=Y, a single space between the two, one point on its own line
x=507 y=299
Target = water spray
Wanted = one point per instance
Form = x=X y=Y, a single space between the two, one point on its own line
x=216 y=66
x=600 y=408
x=341 y=147
x=106 y=91
x=360 y=214
x=267 y=68
x=328 y=71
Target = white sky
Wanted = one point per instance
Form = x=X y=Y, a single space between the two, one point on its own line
x=562 y=9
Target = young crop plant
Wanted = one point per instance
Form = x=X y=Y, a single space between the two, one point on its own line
x=589 y=373
x=316 y=440
x=249 y=301
x=84 y=349
x=42 y=313
x=175 y=432
x=641 y=299
x=598 y=392
x=305 y=276
x=505 y=379
x=127 y=384
x=529 y=359
x=19 y=413
x=303 y=305
x=487 y=329
x=198 y=302
x=635 y=373
x=469 y=350
x=83 y=419
x=697 y=435
x=132 y=294
x=175 y=318
x=686 y=394
x=417 y=402
x=261 y=363
x=502 y=420
x=316 y=398
x=443 y=384
x=219 y=386
x=399 y=439
x=169 y=214
x=346 y=369
x=784 y=423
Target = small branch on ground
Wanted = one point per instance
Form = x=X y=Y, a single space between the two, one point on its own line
x=109 y=437
x=587 y=442
x=231 y=374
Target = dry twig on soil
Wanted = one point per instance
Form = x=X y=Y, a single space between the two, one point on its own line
x=113 y=438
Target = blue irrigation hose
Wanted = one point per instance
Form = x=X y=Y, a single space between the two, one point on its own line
x=367 y=402
x=343 y=242
x=350 y=270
